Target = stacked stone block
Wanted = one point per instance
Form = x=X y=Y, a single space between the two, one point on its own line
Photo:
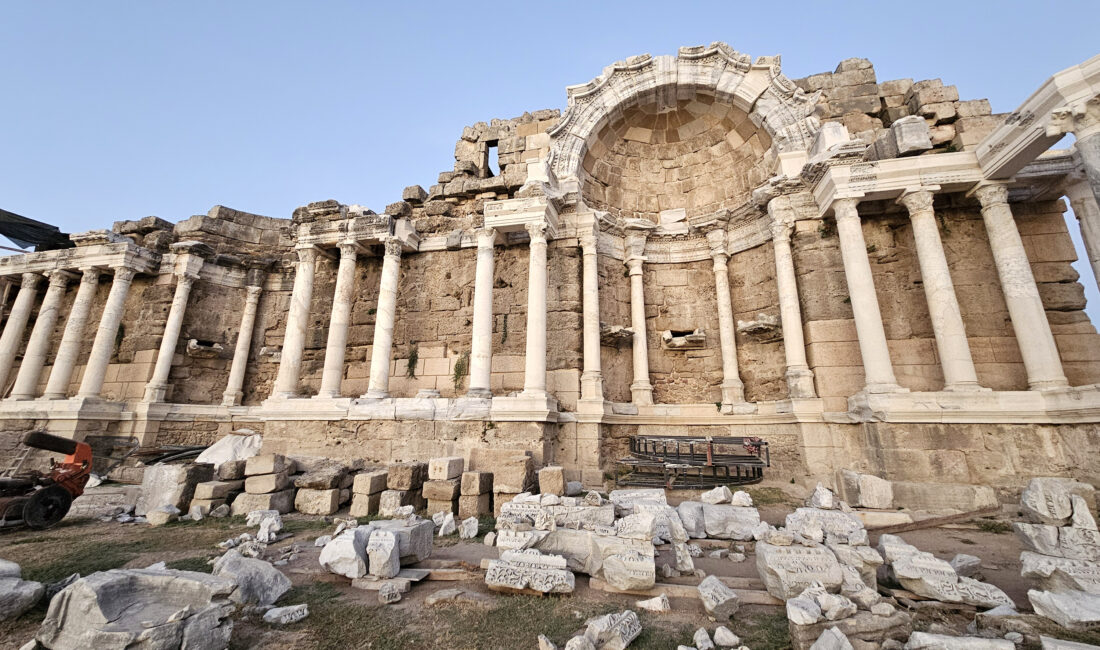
x=475 y=494
x=211 y=494
x=442 y=488
x=513 y=472
x=367 y=492
x=266 y=486
x=323 y=490
x=404 y=483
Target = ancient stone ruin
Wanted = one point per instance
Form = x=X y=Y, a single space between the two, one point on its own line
x=869 y=274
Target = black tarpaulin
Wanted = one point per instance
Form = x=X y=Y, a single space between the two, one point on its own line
x=24 y=232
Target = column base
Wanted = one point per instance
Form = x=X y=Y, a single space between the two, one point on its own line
x=966 y=387
x=478 y=393
x=1048 y=384
x=592 y=386
x=733 y=393
x=154 y=394
x=884 y=388
x=737 y=408
x=327 y=394
x=232 y=399
x=375 y=394
x=542 y=408
x=800 y=383
x=641 y=393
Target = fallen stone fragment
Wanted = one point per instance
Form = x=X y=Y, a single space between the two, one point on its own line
x=286 y=615
x=162 y=515
x=691 y=516
x=613 y=631
x=322 y=540
x=1046 y=501
x=490 y=538
x=447 y=527
x=346 y=553
x=701 y=639
x=928 y=641
x=140 y=608
x=529 y=569
x=469 y=528
x=258 y=582
x=220 y=511
x=823 y=498
x=443 y=595
x=967 y=566
x=270 y=525
x=389 y=593
x=882 y=609
x=719 y=601
x=720 y=494
x=657 y=604
x=741 y=499
x=803 y=610
x=546 y=644
x=1074 y=610
x=832 y=639
x=787 y=571
x=1049 y=643
x=1060 y=574
x=724 y=637
x=1082 y=516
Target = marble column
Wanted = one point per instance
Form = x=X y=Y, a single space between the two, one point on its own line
x=733 y=389
x=481 y=338
x=877 y=368
x=641 y=391
x=1087 y=212
x=104 y=344
x=233 y=393
x=57 y=386
x=1083 y=121
x=800 y=379
x=1025 y=307
x=534 y=367
x=336 y=347
x=12 y=337
x=297 y=321
x=34 y=358
x=384 y=317
x=158 y=383
x=592 y=373
x=939 y=292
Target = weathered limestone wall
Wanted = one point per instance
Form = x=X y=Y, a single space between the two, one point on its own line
x=200 y=376
x=616 y=360
x=753 y=290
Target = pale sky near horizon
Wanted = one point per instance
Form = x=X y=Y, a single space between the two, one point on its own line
x=116 y=110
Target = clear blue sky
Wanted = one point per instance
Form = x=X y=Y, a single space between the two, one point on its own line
x=117 y=110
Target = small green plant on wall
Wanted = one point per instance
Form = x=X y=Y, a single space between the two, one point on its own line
x=414 y=356
x=462 y=366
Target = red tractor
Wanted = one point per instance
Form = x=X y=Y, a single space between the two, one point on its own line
x=41 y=500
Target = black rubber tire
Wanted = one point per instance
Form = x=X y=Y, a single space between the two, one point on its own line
x=50 y=442
x=46 y=507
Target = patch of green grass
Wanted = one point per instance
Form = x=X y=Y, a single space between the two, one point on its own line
x=515 y=622
x=763 y=631
x=661 y=634
x=994 y=526
x=84 y=559
x=768 y=496
x=196 y=563
x=304 y=525
x=334 y=622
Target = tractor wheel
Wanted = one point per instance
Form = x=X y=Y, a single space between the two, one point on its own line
x=46 y=507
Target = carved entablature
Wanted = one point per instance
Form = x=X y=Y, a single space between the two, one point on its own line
x=772 y=101
x=367 y=228
x=512 y=215
x=94 y=250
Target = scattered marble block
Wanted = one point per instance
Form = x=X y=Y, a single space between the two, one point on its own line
x=832 y=639
x=720 y=494
x=317 y=502
x=552 y=480
x=787 y=571
x=266 y=483
x=443 y=469
x=475 y=505
x=468 y=529
x=529 y=569
x=441 y=489
x=390 y=500
x=406 y=476
x=725 y=521
x=365 y=505
x=614 y=631
x=1048 y=500
x=725 y=637
x=370 y=482
x=346 y=553
x=389 y=594
x=286 y=615
x=162 y=515
x=17 y=596
x=383 y=554
x=267 y=464
x=245 y=503
x=258 y=582
x=927 y=641
x=864 y=627
x=1073 y=610
x=719 y=601
x=657 y=604
x=414 y=538
x=1060 y=574
x=170 y=485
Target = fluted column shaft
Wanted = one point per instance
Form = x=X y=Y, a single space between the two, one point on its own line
x=481 y=337
x=34 y=358
x=534 y=367
x=1025 y=307
x=297 y=320
x=1087 y=212
x=877 y=368
x=641 y=391
x=12 y=337
x=157 y=387
x=800 y=379
x=939 y=292
x=57 y=386
x=233 y=393
x=592 y=374
x=733 y=389
x=336 y=347
x=104 y=344
x=385 y=315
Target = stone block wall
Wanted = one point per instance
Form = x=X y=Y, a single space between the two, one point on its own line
x=616 y=361
x=753 y=291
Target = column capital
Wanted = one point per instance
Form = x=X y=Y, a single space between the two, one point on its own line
x=634 y=264
x=30 y=280
x=349 y=250
x=186 y=279
x=1082 y=119
x=716 y=239
x=587 y=235
x=392 y=247
x=253 y=292
x=1077 y=188
x=990 y=193
x=60 y=277
x=124 y=273
x=486 y=237
x=537 y=231
x=307 y=254
x=634 y=244
x=917 y=200
x=90 y=274
x=845 y=208
x=781 y=231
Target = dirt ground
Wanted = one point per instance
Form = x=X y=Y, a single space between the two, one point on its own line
x=344 y=617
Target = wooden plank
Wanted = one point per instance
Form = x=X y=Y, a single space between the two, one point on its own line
x=748 y=596
x=933 y=521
